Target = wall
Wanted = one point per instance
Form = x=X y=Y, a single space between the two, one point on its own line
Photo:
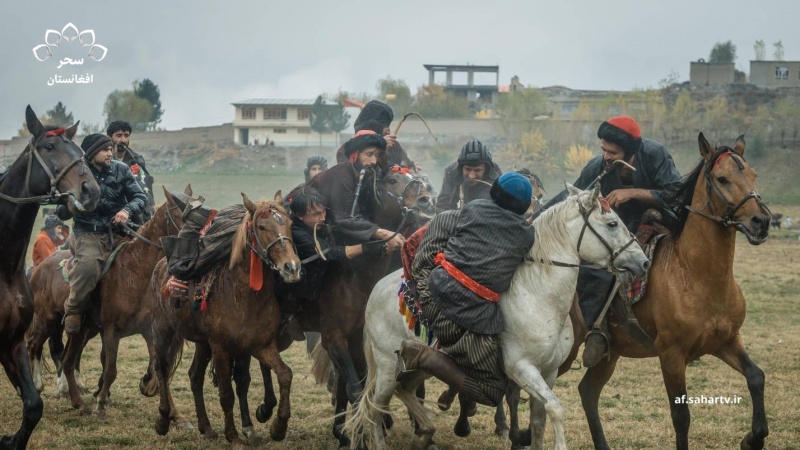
x=763 y=73
x=711 y=74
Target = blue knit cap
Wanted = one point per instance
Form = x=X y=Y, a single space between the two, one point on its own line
x=516 y=185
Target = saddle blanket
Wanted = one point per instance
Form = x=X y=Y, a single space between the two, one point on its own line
x=633 y=291
x=67 y=264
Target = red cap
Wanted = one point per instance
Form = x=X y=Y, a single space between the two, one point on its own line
x=626 y=124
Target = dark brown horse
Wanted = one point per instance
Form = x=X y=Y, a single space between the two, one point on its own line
x=693 y=306
x=242 y=317
x=120 y=306
x=51 y=169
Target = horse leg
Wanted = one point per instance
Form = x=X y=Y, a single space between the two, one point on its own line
x=222 y=365
x=16 y=363
x=538 y=385
x=339 y=410
x=241 y=377
x=264 y=410
x=90 y=334
x=345 y=368
x=467 y=408
x=148 y=386
x=446 y=399
x=36 y=337
x=421 y=417
x=109 y=354
x=734 y=355
x=69 y=360
x=673 y=370
x=500 y=424
x=538 y=420
x=167 y=351
x=519 y=438
x=272 y=358
x=589 y=388
x=197 y=378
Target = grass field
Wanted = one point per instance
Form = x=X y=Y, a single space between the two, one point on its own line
x=634 y=404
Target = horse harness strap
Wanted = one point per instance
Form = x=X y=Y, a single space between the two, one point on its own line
x=133 y=232
x=614 y=253
x=260 y=249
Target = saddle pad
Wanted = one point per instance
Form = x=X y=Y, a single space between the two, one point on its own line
x=409 y=251
x=411 y=310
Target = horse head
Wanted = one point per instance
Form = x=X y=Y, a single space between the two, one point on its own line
x=171 y=212
x=603 y=238
x=538 y=189
x=411 y=191
x=269 y=234
x=731 y=190
x=61 y=173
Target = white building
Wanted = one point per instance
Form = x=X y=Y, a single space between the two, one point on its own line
x=286 y=122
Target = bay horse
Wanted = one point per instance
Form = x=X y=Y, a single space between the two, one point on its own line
x=693 y=306
x=51 y=169
x=119 y=304
x=538 y=335
x=239 y=316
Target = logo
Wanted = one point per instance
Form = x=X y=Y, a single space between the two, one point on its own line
x=67 y=41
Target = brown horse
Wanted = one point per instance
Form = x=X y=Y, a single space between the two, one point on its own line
x=120 y=306
x=242 y=316
x=51 y=169
x=693 y=306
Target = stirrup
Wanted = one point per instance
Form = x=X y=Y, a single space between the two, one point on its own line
x=607 y=353
x=401 y=371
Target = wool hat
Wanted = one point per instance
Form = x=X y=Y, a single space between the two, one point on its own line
x=52 y=221
x=374 y=116
x=512 y=191
x=474 y=152
x=93 y=143
x=317 y=159
x=362 y=140
x=622 y=131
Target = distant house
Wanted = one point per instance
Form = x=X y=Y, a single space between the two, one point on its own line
x=775 y=73
x=711 y=74
x=286 y=122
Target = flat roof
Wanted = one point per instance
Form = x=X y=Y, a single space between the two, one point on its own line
x=280 y=102
x=461 y=68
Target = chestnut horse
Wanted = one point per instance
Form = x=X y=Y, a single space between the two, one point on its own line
x=119 y=304
x=239 y=316
x=51 y=169
x=693 y=306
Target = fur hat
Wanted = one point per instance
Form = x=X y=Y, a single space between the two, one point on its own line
x=374 y=116
x=512 y=191
x=52 y=221
x=622 y=131
x=315 y=160
x=93 y=143
x=474 y=152
x=362 y=140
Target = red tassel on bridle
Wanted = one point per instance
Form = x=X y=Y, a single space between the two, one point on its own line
x=56 y=132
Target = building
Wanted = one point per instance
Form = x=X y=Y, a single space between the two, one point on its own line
x=711 y=74
x=286 y=122
x=775 y=73
x=464 y=84
x=565 y=103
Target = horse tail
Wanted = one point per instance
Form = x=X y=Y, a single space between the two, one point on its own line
x=360 y=420
x=321 y=365
x=176 y=355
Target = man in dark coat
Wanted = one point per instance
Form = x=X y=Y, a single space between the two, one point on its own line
x=338 y=187
x=468 y=178
x=652 y=185
x=121 y=198
x=465 y=261
x=120 y=134
x=377 y=116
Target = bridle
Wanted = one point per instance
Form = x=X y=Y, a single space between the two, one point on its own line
x=54 y=196
x=412 y=181
x=730 y=209
x=255 y=244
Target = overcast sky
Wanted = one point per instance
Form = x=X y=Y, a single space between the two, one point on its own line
x=204 y=55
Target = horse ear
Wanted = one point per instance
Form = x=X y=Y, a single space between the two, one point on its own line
x=706 y=151
x=251 y=207
x=278 y=196
x=739 y=146
x=188 y=189
x=572 y=190
x=71 y=131
x=35 y=126
x=168 y=195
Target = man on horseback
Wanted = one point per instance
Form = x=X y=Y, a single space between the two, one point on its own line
x=377 y=116
x=465 y=261
x=652 y=185
x=342 y=185
x=121 y=197
x=120 y=134
x=315 y=164
x=468 y=178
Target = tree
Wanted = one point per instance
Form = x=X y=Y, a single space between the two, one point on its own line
x=723 y=52
x=683 y=114
x=396 y=93
x=338 y=118
x=576 y=158
x=517 y=113
x=127 y=106
x=778 y=50
x=319 y=117
x=433 y=101
x=149 y=91
x=761 y=50
x=59 y=115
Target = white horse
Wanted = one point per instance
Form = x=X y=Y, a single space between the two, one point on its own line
x=538 y=332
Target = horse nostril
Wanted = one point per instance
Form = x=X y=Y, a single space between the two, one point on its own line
x=760 y=220
x=646 y=265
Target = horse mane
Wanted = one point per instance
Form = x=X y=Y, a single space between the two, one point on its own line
x=240 y=247
x=549 y=238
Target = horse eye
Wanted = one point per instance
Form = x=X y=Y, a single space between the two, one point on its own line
x=49 y=146
x=612 y=224
x=262 y=227
x=722 y=180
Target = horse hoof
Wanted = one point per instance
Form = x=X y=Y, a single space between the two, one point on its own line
x=162 y=427
x=501 y=432
x=748 y=444
x=264 y=413
x=523 y=438
x=184 y=424
x=445 y=400
x=253 y=438
x=462 y=428
x=278 y=430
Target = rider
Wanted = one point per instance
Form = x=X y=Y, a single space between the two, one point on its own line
x=308 y=210
x=377 y=116
x=120 y=134
x=121 y=197
x=315 y=164
x=465 y=261
x=630 y=193
x=468 y=178
x=338 y=186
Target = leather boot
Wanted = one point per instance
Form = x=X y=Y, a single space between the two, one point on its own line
x=194 y=218
x=72 y=323
x=414 y=355
x=596 y=348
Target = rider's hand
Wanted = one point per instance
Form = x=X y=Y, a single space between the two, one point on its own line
x=121 y=216
x=390 y=141
x=395 y=243
x=381 y=234
x=620 y=196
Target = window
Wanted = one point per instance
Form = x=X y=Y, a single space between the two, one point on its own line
x=274 y=113
x=303 y=114
x=568 y=108
x=781 y=73
x=304 y=131
x=280 y=130
x=248 y=113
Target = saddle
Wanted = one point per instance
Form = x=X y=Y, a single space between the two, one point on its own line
x=67 y=264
